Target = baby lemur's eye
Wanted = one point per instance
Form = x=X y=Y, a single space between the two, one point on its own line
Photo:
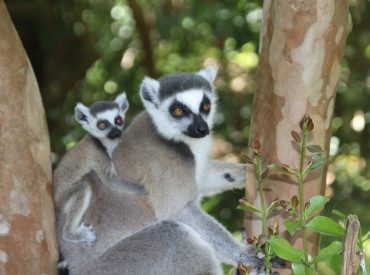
x=102 y=125
x=118 y=120
x=206 y=107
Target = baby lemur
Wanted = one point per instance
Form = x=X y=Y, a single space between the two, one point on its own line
x=166 y=150
x=103 y=122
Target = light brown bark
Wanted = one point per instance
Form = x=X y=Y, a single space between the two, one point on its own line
x=27 y=233
x=301 y=44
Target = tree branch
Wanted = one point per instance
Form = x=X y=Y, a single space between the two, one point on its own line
x=351 y=259
x=144 y=31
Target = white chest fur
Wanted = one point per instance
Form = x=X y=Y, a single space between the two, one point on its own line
x=201 y=151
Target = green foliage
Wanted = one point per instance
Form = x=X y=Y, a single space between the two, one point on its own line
x=299 y=269
x=248 y=207
x=292 y=226
x=332 y=249
x=302 y=213
x=316 y=204
x=326 y=226
x=285 y=250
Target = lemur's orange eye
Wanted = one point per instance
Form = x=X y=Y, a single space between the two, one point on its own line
x=206 y=107
x=118 y=121
x=178 y=111
x=102 y=125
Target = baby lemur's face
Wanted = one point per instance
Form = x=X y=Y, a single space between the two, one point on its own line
x=181 y=105
x=104 y=119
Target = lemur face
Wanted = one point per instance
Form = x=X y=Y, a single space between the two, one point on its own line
x=189 y=111
x=181 y=105
x=104 y=119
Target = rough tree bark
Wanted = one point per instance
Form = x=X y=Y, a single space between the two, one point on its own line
x=301 y=44
x=27 y=233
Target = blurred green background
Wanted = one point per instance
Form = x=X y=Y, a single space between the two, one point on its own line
x=89 y=50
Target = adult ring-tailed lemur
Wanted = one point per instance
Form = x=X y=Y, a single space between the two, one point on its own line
x=165 y=151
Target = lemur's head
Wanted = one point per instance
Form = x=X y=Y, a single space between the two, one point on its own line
x=103 y=119
x=182 y=105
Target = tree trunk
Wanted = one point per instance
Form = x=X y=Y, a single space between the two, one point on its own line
x=27 y=232
x=301 y=44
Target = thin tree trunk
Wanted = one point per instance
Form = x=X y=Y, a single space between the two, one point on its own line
x=301 y=45
x=27 y=233
x=351 y=259
x=144 y=29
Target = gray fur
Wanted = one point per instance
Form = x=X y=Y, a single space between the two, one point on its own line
x=163 y=231
x=166 y=247
x=216 y=181
x=71 y=190
x=72 y=194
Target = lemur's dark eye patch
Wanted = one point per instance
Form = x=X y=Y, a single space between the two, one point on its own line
x=178 y=109
x=118 y=121
x=102 y=124
x=205 y=106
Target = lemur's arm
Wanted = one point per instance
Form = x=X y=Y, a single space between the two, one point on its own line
x=226 y=247
x=222 y=176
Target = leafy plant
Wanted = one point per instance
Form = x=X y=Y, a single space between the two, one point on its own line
x=300 y=211
x=303 y=214
x=262 y=242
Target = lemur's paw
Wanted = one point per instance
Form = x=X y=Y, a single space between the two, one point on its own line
x=87 y=233
x=236 y=175
x=62 y=265
x=250 y=258
x=84 y=233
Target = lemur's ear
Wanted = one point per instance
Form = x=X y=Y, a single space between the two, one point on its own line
x=81 y=114
x=209 y=73
x=149 y=92
x=122 y=102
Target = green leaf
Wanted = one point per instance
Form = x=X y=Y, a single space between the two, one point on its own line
x=314 y=148
x=332 y=249
x=339 y=214
x=326 y=226
x=273 y=206
x=291 y=226
x=248 y=207
x=317 y=203
x=366 y=237
x=335 y=263
x=317 y=162
x=285 y=250
x=298 y=269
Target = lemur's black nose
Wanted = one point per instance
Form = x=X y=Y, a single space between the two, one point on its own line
x=114 y=133
x=202 y=129
x=199 y=128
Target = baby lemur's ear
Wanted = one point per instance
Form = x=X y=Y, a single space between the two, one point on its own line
x=149 y=92
x=122 y=102
x=209 y=73
x=81 y=114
